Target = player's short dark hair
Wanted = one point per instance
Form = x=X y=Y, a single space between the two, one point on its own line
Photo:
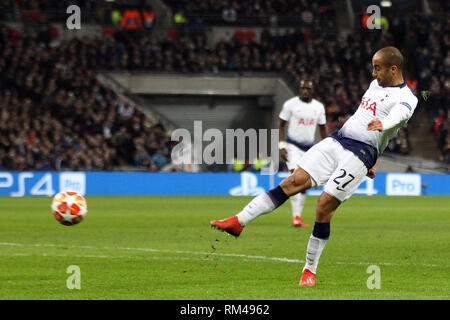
x=391 y=56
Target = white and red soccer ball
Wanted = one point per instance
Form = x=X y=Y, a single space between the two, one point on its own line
x=69 y=207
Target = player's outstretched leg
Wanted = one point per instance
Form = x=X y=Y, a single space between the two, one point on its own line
x=326 y=207
x=266 y=202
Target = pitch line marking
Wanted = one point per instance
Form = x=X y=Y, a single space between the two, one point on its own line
x=247 y=257
x=156 y=250
x=96 y=256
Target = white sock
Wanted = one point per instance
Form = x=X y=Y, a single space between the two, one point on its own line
x=313 y=252
x=258 y=206
x=297 y=204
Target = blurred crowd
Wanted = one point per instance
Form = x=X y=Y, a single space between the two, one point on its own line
x=55 y=115
x=116 y=13
x=340 y=67
x=253 y=12
x=63 y=78
x=188 y=12
x=429 y=42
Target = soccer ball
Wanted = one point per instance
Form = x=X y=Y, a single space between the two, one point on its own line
x=69 y=208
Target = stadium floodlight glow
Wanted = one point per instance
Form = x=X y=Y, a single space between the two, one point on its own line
x=386 y=3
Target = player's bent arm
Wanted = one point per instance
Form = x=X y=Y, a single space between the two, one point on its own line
x=400 y=112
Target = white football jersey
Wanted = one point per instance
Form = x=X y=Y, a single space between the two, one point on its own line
x=303 y=118
x=394 y=106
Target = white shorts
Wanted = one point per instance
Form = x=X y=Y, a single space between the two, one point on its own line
x=294 y=154
x=339 y=169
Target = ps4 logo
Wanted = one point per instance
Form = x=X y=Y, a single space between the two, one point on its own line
x=27 y=183
x=40 y=184
x=249 y=186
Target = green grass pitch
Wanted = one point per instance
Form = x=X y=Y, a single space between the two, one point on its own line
x=162 y=248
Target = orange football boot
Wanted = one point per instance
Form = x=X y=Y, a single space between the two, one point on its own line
x=230 y=225
x=308 y=278
x=298 y=222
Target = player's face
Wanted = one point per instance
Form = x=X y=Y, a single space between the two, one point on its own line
x=306 y=91
x=381 y=72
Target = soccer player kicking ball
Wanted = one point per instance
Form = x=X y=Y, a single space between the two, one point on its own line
x=341 y=161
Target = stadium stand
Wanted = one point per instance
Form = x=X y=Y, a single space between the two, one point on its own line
x=102 y=11
x=46 y=80
x=55 y=115
x=256 y=13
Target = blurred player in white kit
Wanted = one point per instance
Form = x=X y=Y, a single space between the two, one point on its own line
x=303 y=114
x=341 y=161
